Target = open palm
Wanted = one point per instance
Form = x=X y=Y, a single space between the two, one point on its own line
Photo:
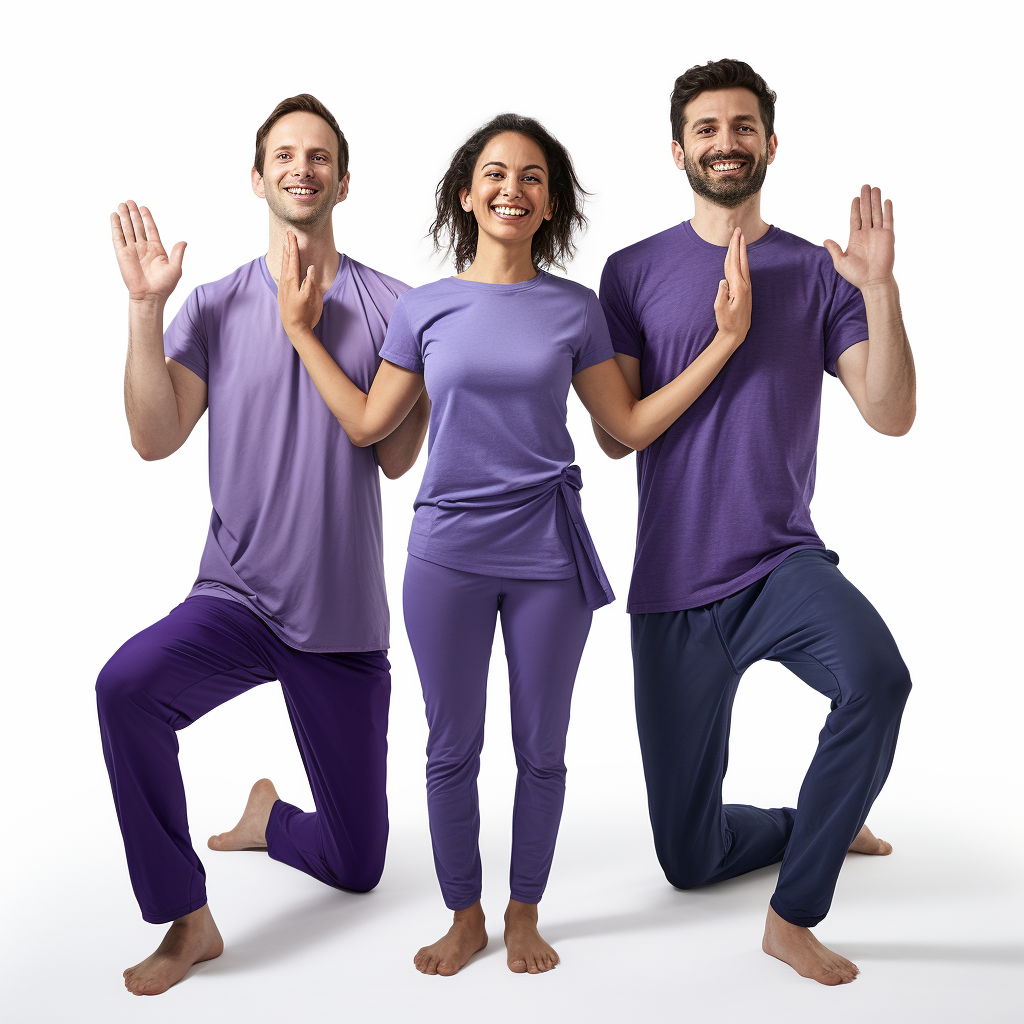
x=871 y=251
x=146 y=268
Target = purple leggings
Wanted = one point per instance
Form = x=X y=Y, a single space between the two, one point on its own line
x=450 y=617
x=206 y=651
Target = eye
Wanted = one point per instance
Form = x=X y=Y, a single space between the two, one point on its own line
x=531 y=177
x=494 y=174
x=283 y=156
x=320 y=157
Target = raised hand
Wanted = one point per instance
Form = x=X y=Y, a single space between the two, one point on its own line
x=147 y=270
x=871 y=252
x=732 y=304
x=299 y=301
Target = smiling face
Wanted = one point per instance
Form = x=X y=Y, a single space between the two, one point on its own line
x=724 y=151
x=509 y=193
x=300 y=171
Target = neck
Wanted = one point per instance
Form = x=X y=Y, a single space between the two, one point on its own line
x=317 y=249
x=496 y=263
x=715 y=224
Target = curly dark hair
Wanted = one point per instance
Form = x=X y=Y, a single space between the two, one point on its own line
x=720 y=74
x=455 y=230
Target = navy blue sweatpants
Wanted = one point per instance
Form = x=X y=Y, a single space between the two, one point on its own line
x=808 y=616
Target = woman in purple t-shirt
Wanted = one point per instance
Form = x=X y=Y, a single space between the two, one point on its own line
x=498 y=527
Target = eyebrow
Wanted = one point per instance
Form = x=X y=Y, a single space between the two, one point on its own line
x=314 y=149
x=498 y=163
x=701 y=121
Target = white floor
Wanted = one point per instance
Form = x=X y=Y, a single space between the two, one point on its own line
x=936 y=930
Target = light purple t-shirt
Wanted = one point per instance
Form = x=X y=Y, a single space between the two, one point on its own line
x=725 y=492
x=498 y=361
x=295 y=532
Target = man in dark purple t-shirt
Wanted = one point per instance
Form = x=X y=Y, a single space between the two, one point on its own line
x=729 y=569
x=291 y=583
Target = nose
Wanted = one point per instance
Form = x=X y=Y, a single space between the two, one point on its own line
x=511 y=188
x=300 y=168
x=728 y=140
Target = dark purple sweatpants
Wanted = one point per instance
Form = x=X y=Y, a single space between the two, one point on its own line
x=450 y=617
x=206 y=651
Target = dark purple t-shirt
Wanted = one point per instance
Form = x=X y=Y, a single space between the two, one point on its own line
x=725 y=492
x=296 y=530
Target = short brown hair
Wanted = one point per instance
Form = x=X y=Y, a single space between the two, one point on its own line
x=307 y=104
x=721 y=74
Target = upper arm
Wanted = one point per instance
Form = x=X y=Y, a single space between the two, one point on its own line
x=190 y=396
x=605 y=388
x=851 y=369
x=397 y=453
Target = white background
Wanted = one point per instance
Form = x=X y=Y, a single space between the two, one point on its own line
x=160 y=103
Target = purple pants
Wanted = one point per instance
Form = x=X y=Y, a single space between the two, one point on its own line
x=206 y=651
x=450 y=617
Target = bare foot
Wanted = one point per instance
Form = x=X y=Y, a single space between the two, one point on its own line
x=190 y=940
x=452 y=951
x=251 y=831
x=528 y=953
x=867 y=843
x=797 y=947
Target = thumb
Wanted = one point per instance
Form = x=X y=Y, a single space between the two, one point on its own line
x=834 y=250
x=722 y=298
x=177 y=252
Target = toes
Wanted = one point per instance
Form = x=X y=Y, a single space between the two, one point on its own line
x=518 y=965
x=447 y=969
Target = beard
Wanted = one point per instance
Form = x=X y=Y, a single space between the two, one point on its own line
x=301 y=216
x=728 y=192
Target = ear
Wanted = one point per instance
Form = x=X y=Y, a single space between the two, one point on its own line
x=343 y=189
x=677 y=156
x=257 y=184
x=465 y=200
x=773 y=145
x=552 y=206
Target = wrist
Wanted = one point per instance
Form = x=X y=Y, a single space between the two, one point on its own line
x=883 y=289
x=147 y=304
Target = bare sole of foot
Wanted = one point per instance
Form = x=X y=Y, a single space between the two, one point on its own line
x=190 y=940
x=799 y=948
x=867 y=843
x=251 y=831
x=528 y=953
x=452 y=951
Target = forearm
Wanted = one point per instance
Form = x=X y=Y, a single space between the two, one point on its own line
x=366 y=418
x=149 y=399
x=890 y=383
x=397 y=453
x=612 y=448
x=648 y=418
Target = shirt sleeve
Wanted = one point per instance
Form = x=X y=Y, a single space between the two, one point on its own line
x=595 y=345
x=185 y=338
x=626 y=336
x=403 y=345
x=846 y=323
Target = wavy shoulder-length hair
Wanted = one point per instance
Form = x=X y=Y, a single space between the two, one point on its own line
x=455 y=230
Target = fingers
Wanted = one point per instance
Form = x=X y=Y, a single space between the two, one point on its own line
x=127 y=229
x=177 y=253
x=865 y=206
x=149 y=224
x=116 y=233
x=744 y=268
x=140 y=228
x=736 y=260
x=834 y=251
x=876 y=207
x=286 y=258
x=855 y=215
x=887 y=215
x=722 y=298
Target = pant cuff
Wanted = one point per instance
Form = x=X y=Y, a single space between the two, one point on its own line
x=526 y=897
x=799 y=920
x=165 y=917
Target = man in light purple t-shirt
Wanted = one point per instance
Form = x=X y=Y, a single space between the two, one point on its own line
x=729 y=569
x=291 y=583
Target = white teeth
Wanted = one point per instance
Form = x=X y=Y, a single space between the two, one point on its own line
x=301 y=191
x=510 y=211
x=726 y=167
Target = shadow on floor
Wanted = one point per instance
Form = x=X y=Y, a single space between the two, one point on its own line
x=998 y=956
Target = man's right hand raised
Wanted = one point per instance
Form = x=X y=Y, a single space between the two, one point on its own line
x=148 y=272
x=732 y=304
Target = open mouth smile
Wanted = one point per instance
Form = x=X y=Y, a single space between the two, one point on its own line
x=727 y=166
x=301 y=190
x=509 y=212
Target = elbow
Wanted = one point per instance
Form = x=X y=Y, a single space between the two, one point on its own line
x=360 y=438
x=393 y=470
x=895 y=426
x=150 y=452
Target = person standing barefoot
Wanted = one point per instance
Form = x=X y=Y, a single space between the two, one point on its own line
x=291 y=583
x=498 y=530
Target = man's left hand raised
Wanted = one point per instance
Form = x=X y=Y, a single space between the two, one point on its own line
x=871 y=251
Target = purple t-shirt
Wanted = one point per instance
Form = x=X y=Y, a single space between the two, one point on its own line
x=498 y=361
x=725 y=492
x=295 y=532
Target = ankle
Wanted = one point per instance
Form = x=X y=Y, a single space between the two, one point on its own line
x=473 y=915
x=517 y=912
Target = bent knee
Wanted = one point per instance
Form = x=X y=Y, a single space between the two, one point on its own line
x=122 y=684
